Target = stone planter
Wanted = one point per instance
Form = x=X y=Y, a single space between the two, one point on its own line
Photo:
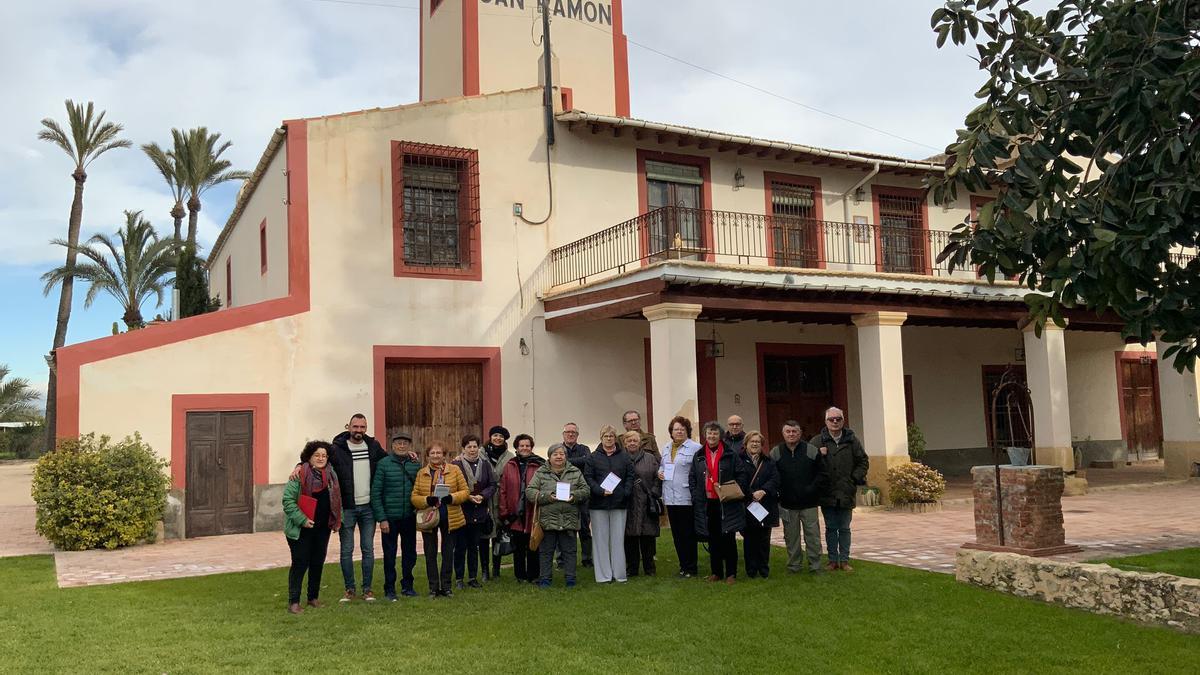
x=918 y=507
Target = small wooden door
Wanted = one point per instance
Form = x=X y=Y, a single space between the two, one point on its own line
x=220 y=477
x=1139 y=402
x=434 y=401
x=799 y=388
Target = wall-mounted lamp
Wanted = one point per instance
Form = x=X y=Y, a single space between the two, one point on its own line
x=859 y=195
x=524 y=347
x=739 y=179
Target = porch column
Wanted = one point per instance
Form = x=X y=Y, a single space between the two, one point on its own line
x=1046 y=373
x=673 y=363
x=1180 y=415
x=882 y=422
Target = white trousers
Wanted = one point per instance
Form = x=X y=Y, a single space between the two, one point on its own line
x=608 y=544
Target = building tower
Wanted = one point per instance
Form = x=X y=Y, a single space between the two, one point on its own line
x=471 y=47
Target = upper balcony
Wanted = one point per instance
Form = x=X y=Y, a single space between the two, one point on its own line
x=728 y=237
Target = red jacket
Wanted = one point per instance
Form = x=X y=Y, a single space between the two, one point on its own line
x=512 y=494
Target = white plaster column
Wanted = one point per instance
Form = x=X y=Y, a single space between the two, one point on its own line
x=1046 y=373
x=1180 y=415
x=673 y=363
x=881 y=424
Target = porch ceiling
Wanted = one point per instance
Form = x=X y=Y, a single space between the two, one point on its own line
x=764 y=296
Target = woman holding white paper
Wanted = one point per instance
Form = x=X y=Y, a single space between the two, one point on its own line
x=558 y=489
x=677 y=457
x=762 y=512
x=609 y=474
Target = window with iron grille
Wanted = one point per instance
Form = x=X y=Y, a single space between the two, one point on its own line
x=436 y=210
x=900 y=211
x=902 y=241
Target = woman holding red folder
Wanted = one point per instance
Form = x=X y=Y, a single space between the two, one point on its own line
x=312 y=508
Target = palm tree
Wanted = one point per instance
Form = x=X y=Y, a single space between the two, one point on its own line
x=87 y=137
x=167 y=164
x=16 y=398
x=201 y=167
x=130 y=269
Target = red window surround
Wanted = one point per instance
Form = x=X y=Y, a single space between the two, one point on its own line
x=643 y=192
x=262 y=246
x=471 y=249
x=922 y=235
x=812 y=182
x=229 y=281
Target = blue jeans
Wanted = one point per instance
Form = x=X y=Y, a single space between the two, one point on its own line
x=364 y=518
x=837 y=533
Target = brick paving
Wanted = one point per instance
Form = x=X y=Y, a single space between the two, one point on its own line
x=190 y=558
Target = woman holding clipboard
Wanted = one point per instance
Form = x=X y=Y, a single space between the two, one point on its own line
x=312 y=508
x=762 y=506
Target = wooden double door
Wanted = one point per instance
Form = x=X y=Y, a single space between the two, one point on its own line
x=1140 y=407
x=220 y=474
x=434 y=401
x=798 y=387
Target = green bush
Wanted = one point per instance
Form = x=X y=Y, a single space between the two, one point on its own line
x=92 y=493
x=27 y=442
x=916 y=441
x=915 y=483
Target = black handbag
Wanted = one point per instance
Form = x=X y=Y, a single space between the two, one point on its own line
x=502 y=546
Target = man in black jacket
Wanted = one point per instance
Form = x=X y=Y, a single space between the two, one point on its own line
x=799 y=495
x=355 y=456
x=577 y=454
x=845 y=464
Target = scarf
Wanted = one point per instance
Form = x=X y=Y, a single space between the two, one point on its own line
x=713 y=460
x=675 y=446
x=471 y=471
x=494 y=452
x=314 y=480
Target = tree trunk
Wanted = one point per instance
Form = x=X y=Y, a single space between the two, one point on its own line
x=64 y=308
x=177 y=214
x=133 y=319
x=193 y=220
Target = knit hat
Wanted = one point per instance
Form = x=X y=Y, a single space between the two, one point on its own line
x=499 y=430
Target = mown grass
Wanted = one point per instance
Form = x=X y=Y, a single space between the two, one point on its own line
x=876 y=619
x=1184 y=562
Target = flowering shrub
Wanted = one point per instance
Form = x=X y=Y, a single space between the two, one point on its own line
x=93 y=493
x=915 y=483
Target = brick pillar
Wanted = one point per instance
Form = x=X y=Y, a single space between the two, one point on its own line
x=1031 y=502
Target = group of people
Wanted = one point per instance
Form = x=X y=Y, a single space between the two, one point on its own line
x=607 y=504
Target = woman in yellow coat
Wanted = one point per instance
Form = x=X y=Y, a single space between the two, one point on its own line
x=440 y=485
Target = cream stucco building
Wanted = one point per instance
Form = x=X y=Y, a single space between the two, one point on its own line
x=442 y=268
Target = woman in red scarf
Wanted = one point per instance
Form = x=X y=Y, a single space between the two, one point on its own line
x=718 y=518
x=312 y=508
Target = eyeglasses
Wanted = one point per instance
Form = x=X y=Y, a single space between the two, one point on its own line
x=833 y=419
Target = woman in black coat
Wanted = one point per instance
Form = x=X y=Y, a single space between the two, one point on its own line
x=719 y=521
x=764 y=490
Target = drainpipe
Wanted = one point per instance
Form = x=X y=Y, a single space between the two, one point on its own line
x=846 y=195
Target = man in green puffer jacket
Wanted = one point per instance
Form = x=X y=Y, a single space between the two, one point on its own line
x=558 y=517
x=391 y=500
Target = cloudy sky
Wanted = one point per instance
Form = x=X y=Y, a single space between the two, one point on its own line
x=240 y=67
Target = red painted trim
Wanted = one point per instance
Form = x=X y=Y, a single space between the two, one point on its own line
x=470 y=48
x=894 y=191
x=71 y=358
x=706 y=383
x=262 y=246
x=474 y=269
x=838 y=352
x=818 y=210
x=568 y=98
x=620 y=61
x=488 y=356
x=643 y=193
x=1122 y=381
x=910 y=413
x=257 y=404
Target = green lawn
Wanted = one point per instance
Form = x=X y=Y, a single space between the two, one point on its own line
x=1184 y=562
x=876 y=619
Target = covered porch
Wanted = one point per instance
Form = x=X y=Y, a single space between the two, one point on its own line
x=772 y=344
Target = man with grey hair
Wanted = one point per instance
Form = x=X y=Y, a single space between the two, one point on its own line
x=800 y=487
x=845 y=464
